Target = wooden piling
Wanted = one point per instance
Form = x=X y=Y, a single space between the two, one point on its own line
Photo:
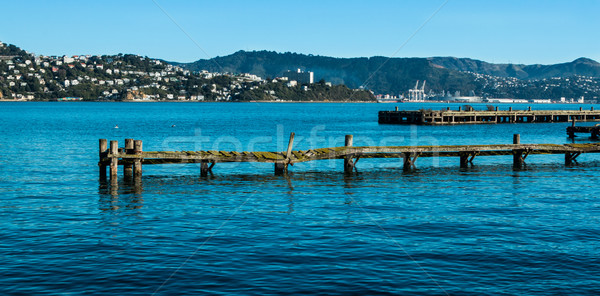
x=137 y=163
x=114 y=159
x=281 y=167
x=464 y=160
x=348 y=164
x=568 y=159
x=204 y=168
x=102 y=151
x=571 y=157
x=409 y=160
x=288 y=153
x=128 y=167
x=518 y=160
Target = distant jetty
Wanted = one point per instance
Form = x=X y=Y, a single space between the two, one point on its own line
x=493 y=116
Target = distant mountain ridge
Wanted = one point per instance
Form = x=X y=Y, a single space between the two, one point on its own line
x=394 y=75
x=388 y=75
x=580 y=66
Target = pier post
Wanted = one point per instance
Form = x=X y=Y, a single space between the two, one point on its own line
x=137 y=163
x=571 y=132
x=568 y=159
x=281 y=167
x=114 y=159
x=518 y=160
x=103 y=146
x=128 y=167
x=348 y=164
x=464 y=160
x=571 y=157
x=409 y=160
x=407 y=166
x=288 y=153
x=204 y=168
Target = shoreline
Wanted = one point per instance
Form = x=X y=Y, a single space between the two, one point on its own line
x=185 y=101
x=294 y=102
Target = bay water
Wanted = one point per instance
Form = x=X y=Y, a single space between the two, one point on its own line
x=488 y=229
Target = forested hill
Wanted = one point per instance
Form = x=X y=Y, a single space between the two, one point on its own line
x=127 y=77
x=380 y=74
x=390 y=75
x=581 y=67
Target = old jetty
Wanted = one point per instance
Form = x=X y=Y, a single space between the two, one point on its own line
x=594 y=131
x=493 y=116
x=132 y=156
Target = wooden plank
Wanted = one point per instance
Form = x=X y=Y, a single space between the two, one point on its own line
x=298 y=154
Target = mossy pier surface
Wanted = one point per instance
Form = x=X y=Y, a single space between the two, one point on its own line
x=132 y=157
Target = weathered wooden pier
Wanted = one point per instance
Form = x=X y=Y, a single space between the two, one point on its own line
x=594 y=131
x=132 y=156
x=470 y=116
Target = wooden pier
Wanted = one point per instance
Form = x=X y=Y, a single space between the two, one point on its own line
x=448 y=117
x=132 y=157
x=594 y=131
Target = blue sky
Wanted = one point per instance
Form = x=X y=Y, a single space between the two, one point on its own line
x=529 y=32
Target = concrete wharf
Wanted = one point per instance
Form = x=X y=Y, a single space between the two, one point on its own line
x=494 y=116
x=132 y=157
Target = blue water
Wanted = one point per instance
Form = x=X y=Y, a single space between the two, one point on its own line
x=485 y=230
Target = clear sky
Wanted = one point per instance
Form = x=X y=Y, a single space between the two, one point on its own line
x=516 y=31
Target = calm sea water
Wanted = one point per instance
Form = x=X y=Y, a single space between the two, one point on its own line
x=485 y=230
